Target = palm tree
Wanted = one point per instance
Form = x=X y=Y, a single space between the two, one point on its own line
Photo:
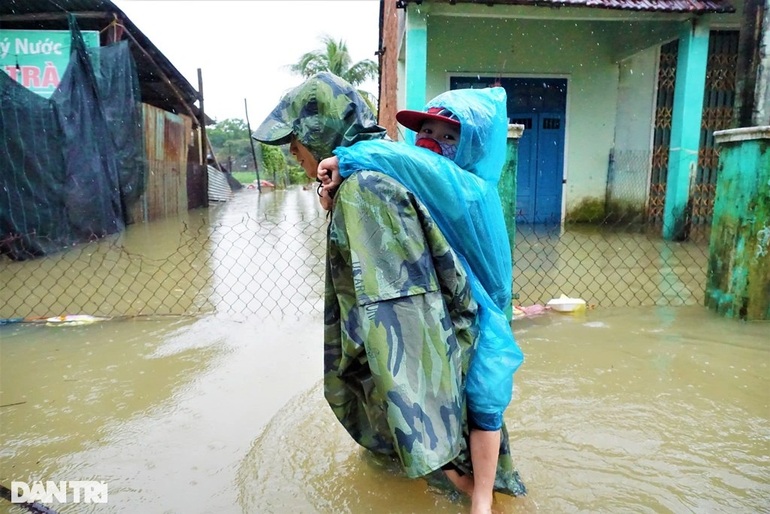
x=335 y=58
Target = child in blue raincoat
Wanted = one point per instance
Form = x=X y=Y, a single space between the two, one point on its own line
x=469 y=128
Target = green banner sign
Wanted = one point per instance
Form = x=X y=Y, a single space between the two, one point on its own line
x=37 y=59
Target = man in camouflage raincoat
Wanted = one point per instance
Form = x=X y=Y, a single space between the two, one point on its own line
x=401 y=324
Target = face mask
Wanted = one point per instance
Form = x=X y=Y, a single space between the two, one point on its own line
x=447 y=150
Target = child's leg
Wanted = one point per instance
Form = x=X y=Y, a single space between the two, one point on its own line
x=485 y=449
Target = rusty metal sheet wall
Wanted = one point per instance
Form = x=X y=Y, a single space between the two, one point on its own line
x=196 y=174
x=166 y=137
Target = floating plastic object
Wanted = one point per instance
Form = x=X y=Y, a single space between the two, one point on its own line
x=566 y=304
x=8 y=321
x=73 y=319
x=520 y=311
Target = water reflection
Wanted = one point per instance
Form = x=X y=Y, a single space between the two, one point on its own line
x=263 y=254
x=270 y=260
x=606 y=267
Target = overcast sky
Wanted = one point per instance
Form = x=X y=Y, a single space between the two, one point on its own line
x=243 y=46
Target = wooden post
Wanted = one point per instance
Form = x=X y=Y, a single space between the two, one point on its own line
x=204 y=140
x=251 y=140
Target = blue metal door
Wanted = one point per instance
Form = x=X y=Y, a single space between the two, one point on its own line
x=540 y=105
x=550 y=168
x=540 y=168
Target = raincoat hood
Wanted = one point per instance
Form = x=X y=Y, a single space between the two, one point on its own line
x=323 y=112
x=483 y=128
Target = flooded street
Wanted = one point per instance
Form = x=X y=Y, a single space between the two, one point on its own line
x=162 y=410
x=618 y=409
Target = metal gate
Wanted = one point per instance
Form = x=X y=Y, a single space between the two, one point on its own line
x=718 y=102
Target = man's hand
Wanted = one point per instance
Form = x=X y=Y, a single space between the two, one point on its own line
x=327 y=200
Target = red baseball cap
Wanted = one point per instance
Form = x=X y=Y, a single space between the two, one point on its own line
x=413 y=120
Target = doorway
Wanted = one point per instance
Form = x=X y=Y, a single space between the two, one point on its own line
x=540 y=105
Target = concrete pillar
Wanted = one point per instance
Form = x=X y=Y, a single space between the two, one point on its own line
x=507 y=191
x=738 y=279
x=507 y=185
x=685 y=125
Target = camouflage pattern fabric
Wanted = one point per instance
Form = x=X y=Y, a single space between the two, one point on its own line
x=477 y=231
x=400 y=331
x=324 y=112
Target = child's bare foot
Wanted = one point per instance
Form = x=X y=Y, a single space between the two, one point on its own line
x=484 y=508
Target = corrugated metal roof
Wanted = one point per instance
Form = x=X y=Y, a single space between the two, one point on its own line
x=179 y=96
x=671 y=6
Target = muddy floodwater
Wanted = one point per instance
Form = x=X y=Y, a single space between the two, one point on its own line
x=615 y=410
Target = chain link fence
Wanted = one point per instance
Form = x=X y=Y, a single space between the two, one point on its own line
x=264 y=254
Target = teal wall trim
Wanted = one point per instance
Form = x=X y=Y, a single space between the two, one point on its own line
x=738 y=278
x=685 y=125
x=415 y=71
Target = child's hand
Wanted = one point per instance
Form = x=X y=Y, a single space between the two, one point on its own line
x=329 y=176
x=329 y=171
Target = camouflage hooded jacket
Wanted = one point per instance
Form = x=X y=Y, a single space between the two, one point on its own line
x=400 y=331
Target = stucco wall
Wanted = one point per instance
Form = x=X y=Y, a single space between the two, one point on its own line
x=634 y=123
x=513 y=47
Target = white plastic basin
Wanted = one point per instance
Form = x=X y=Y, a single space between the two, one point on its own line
x=565 y=304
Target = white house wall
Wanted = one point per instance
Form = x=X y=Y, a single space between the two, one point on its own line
x=634 y=122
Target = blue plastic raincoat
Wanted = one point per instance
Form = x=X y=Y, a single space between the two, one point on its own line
x=462 y=197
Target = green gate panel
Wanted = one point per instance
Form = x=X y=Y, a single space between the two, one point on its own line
x=738 y=279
